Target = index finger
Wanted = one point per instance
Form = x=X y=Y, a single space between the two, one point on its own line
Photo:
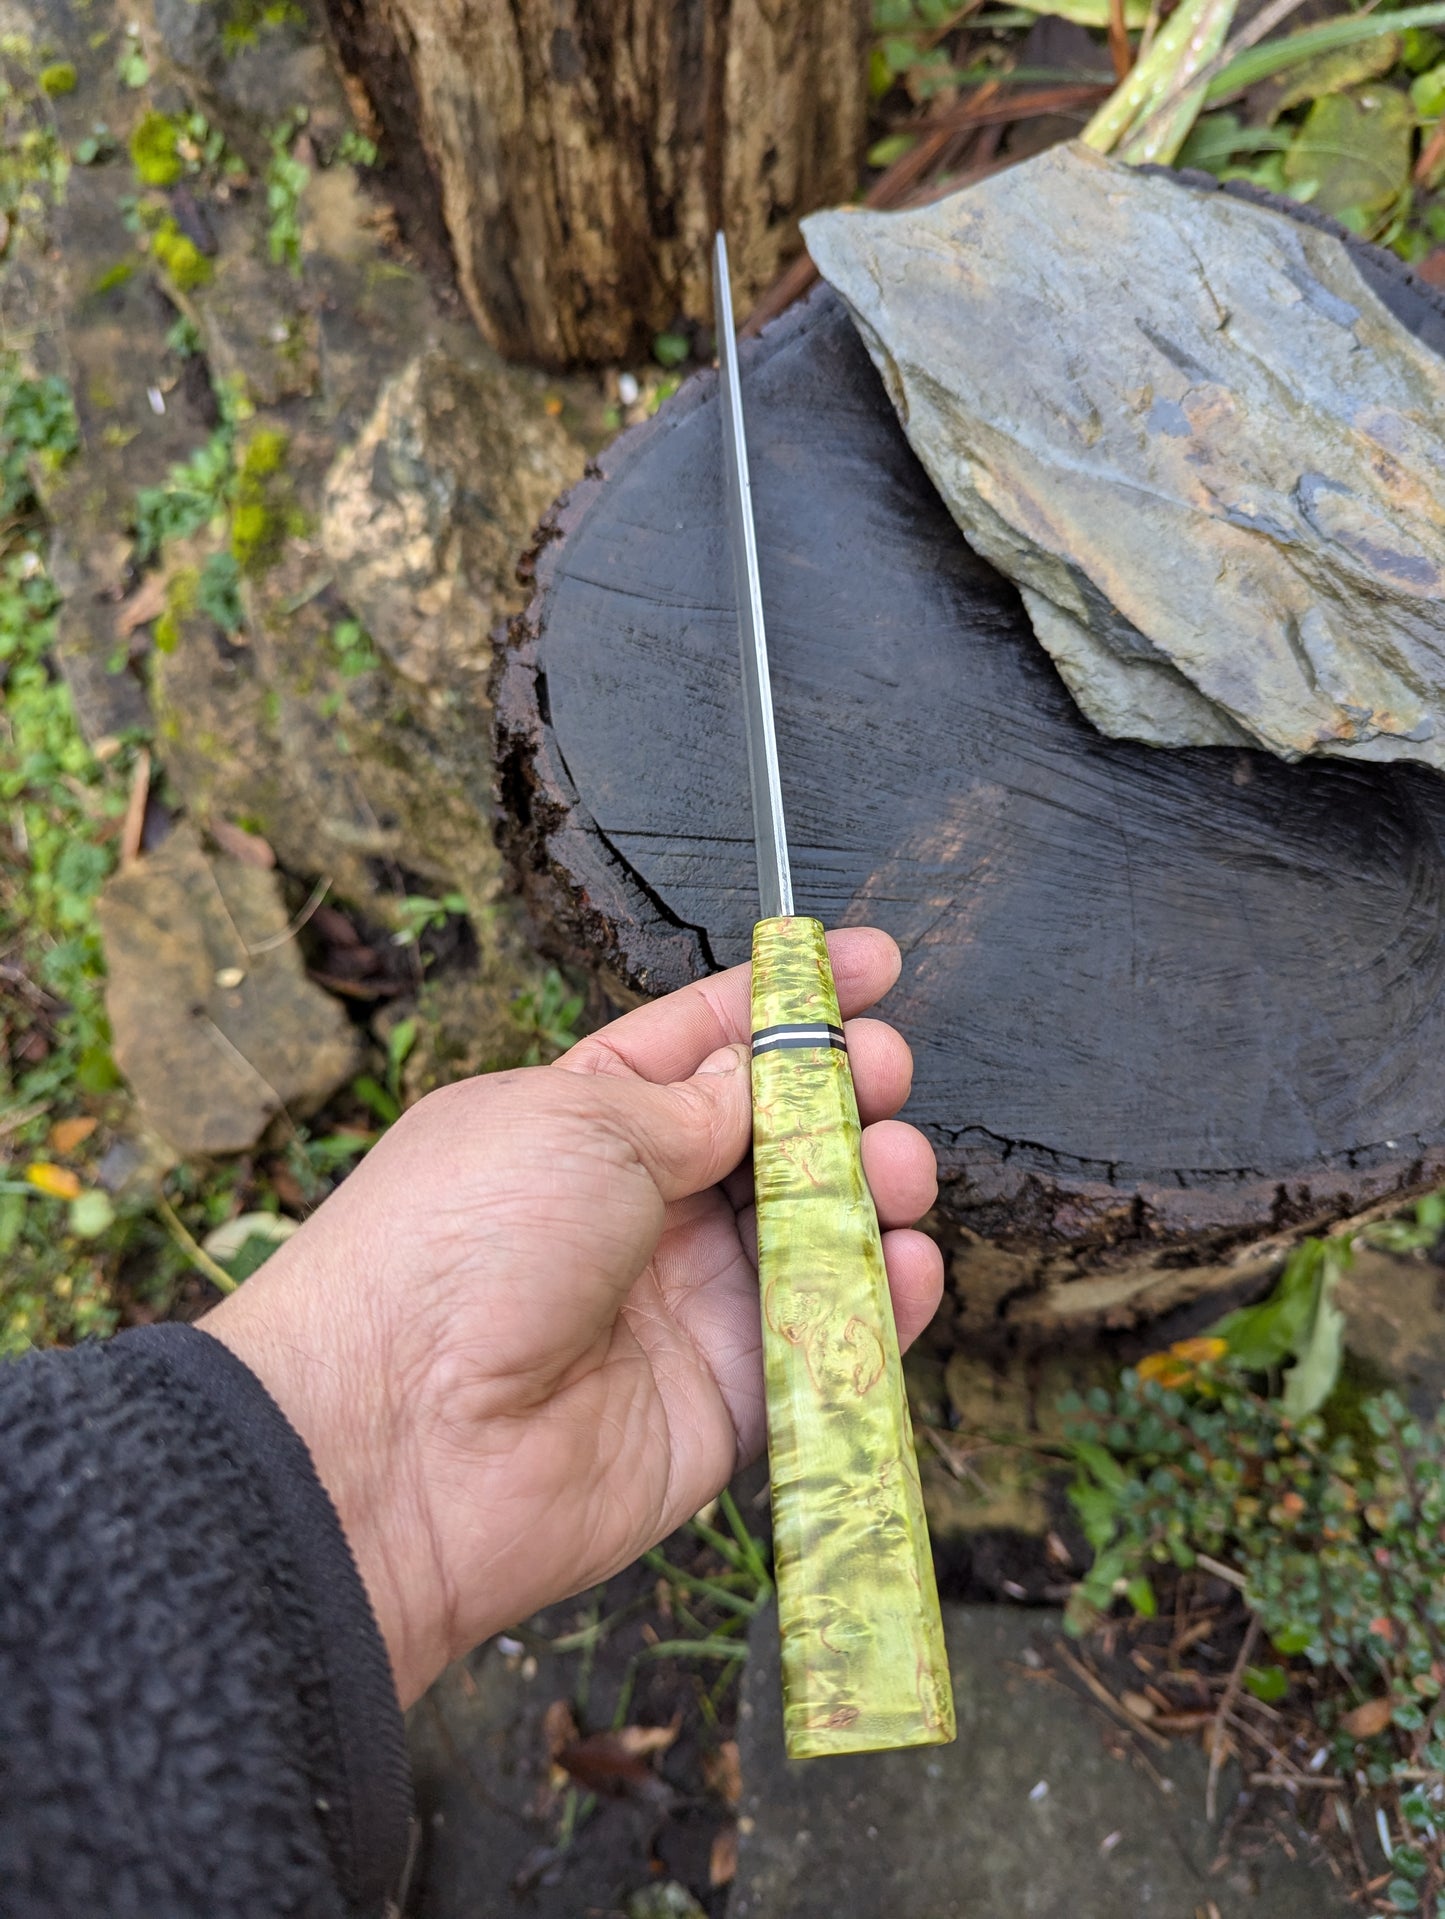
x=670 y=1038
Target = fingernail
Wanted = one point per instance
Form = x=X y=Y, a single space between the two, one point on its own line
x=727 y=1060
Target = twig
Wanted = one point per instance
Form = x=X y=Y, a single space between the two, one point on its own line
x=1221 y=1571
x=1431 y=155
x=194 y=1251
x=1291 y=1779
x=891 y=189
x=19 y=1116
x=1002 y=109
x=1105 y=1698
x=1231 y=1693
x=135 y=812
x=318 y=894
x=1120 y=52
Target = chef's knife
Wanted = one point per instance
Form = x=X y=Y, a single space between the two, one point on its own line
x=864 y=1664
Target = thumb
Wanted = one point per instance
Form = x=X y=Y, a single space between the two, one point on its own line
x=693 y=1133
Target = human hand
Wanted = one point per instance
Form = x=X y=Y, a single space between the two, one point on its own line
x=523 y=1340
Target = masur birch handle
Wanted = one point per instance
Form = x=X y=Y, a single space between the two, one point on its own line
x=864 y=1665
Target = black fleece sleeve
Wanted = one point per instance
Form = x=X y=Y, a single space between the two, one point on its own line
x=197 y=1717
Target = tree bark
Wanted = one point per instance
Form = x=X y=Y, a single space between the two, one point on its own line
x=586 y=150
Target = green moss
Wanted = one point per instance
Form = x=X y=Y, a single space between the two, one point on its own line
x=182 y=594
x=248 y=19
x=154 y=150
x=180 y=259
x=114 y=277
x=264 y=514
x=58 y=77
x=263 y=453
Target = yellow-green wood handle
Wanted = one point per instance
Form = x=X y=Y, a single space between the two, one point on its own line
x=864 y=1665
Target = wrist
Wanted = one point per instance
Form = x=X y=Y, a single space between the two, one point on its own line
x=361 y=1459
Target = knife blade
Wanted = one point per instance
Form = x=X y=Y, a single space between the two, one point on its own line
x=863 y=1657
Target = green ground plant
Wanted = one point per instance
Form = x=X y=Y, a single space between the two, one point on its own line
x=1253 y=1447
x=1346 y=114
x=63 y=804
x=548 y=1015
x=286 y=179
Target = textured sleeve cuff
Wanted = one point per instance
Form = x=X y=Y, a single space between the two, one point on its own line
x=352 y=1724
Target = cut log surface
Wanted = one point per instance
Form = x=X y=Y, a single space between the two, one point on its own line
x=1154 y=998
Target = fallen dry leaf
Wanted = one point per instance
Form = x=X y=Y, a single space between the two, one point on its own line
x=147 y=603
x=613 y=1761
x=132 y=831
x=249 y=848
x=722 y=1865
x=58 y=1181
x=648 y=1739
x=559 y=1731
x=723 y=1772
x=66 y=1134
x=559 y=1728
x=1371 y=1718
x=334 y=927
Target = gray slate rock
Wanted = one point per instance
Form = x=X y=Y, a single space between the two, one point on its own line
x=1012 y=1819
x=1210 y=457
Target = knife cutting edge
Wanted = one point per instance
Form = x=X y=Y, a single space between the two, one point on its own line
x=863 y=1658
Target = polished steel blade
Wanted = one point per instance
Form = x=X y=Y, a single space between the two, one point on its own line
x=775 y=885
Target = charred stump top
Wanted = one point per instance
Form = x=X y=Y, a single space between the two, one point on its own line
x=1152 y=996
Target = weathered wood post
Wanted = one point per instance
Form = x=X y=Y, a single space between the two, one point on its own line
x=586 y=150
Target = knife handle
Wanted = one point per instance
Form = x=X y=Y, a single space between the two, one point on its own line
x=864 y=1663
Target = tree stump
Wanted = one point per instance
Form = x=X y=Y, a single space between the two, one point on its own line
x=586 y=153
x=1166 y=1007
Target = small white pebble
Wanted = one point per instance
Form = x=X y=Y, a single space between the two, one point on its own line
x=1108 y=1843
x=1319 y=1759
x=230 y=976
x=1382 y=1826
x=156 y=398
x=507 y=1646
x=1032 y=1659
x=1015 y=1590
x=529 y=1667
x=627 y=388
x=1040 y=1791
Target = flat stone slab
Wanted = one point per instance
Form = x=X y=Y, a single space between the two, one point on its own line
x=215 y=1024
x=1026 y=1815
